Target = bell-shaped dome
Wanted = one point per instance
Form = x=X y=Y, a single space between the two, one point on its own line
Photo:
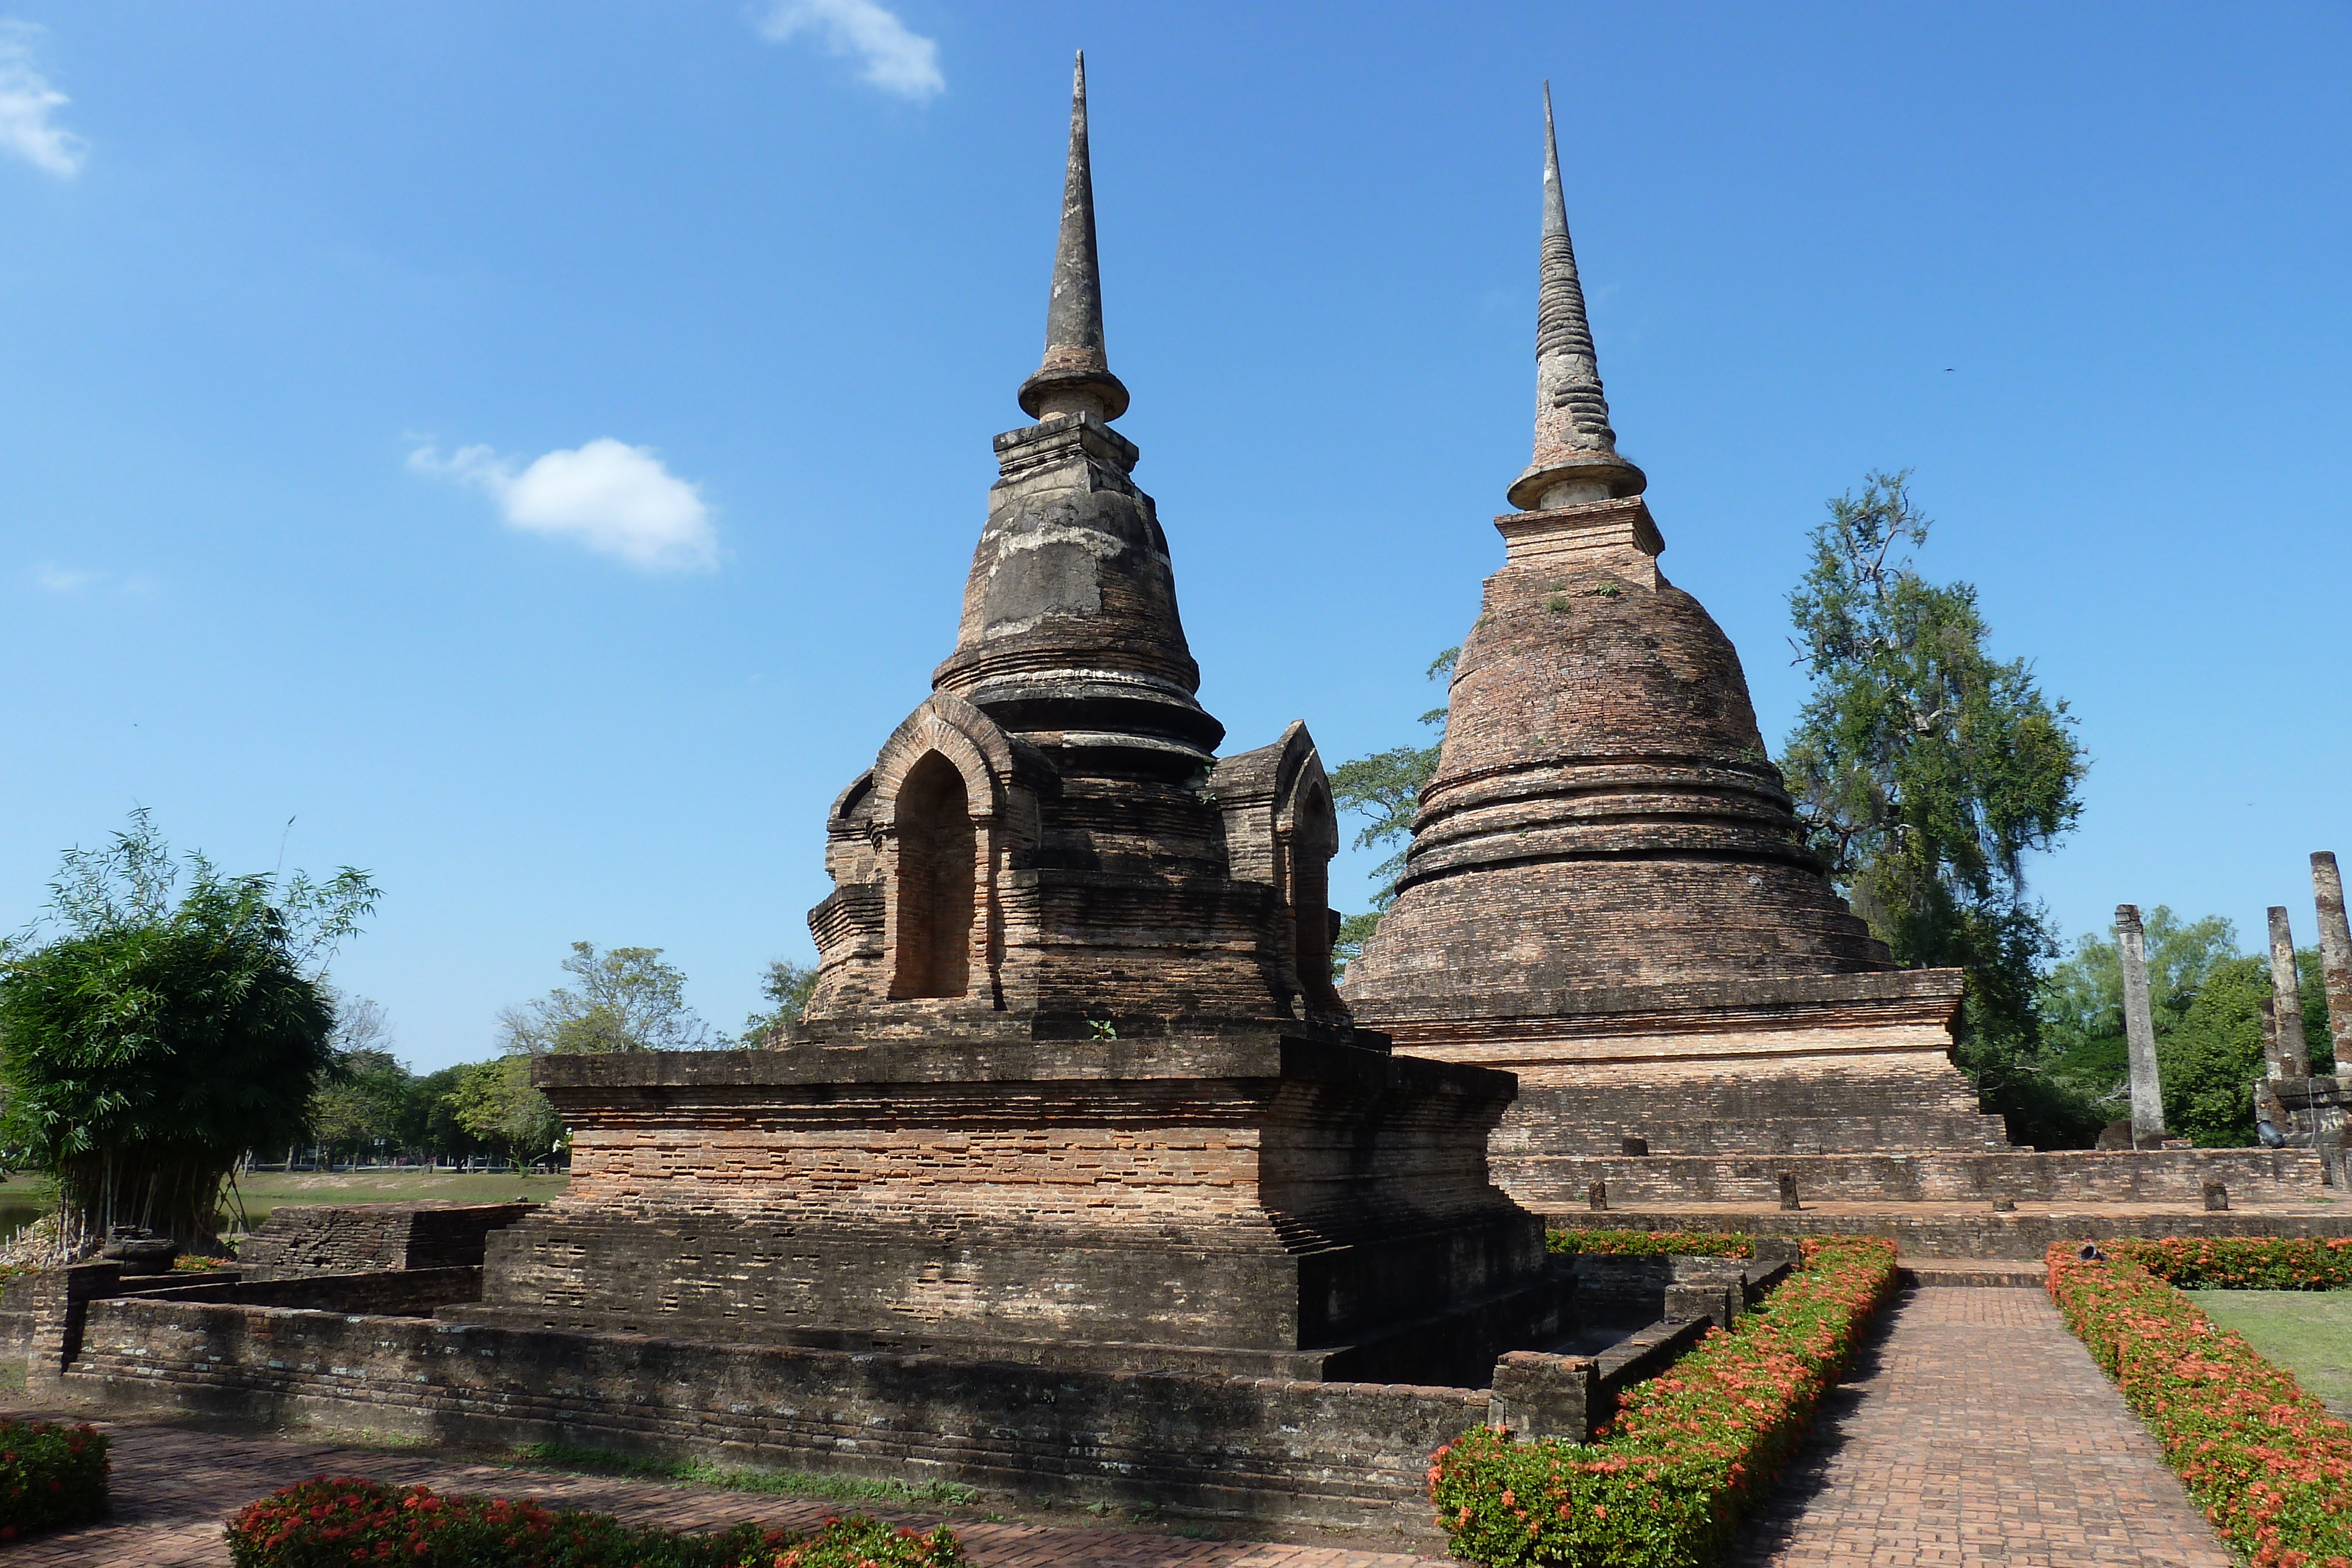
x=1603 y=811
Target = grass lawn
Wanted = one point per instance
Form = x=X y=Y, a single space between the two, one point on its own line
x=21 y=1198
x=2309 y=1332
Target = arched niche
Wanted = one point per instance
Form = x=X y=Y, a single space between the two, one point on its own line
x=934 y=898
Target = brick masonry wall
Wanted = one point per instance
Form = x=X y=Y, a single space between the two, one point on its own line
x=1334 y=1453
x=1261 y=1194
x=343 y=1239
x=2077 y=1175
x=393 y=1292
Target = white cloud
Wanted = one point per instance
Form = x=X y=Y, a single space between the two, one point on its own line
x=26 y=100
x=615 y=498
x=896 y=60
x=64 y=578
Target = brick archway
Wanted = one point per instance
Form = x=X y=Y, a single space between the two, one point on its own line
x=936 y=850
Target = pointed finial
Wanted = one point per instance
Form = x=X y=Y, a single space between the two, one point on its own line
x=1075 y=375
x=1576 y=451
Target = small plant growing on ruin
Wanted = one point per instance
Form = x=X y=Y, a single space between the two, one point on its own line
x=1102 y=1029
x=1557 y=604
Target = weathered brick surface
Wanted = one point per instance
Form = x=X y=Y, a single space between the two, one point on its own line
x=1832 y=1064
x=344 y=1239
x=1263 y=1196
x=1603 y=810
x=1339 y=1452
x=395 y=1292
x=1113 y=871
x=2065 y=1176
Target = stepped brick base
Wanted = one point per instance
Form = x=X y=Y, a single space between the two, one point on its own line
x=1251 y=1203
x=2076 y=1176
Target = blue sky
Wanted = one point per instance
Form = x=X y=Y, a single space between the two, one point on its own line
x=537 y=448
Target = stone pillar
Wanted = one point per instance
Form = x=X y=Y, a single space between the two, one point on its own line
x=2274 y=1069
x=2139 y=1031
x=1538 y=1396
x=2335 y=956
x=2286 y=996
x=60 y=1300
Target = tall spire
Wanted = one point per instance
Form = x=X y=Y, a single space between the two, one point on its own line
x=1075 y=375
x=1576 y=451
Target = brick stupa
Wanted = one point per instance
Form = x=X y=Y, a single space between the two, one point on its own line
x=1607 y=890
x=1074 y=1086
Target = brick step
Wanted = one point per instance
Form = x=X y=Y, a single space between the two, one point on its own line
x=1809 y=1135
x=1943 y=1231
x=1944 y=1273
x=2071 y=1175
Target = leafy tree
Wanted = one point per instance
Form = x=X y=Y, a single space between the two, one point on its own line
x=786 y=986
x=2081 y=1000
x=159 y=1036
x=362 y=1103
x=1924 y=769
x=625 y=999
x=363 y=1098
x=2208 y=1061
x=495 y=1102
x=1385 y=789
x=429 y=1121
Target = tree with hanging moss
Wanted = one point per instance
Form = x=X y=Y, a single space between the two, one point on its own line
x=149 y=1037
x=1925 y=770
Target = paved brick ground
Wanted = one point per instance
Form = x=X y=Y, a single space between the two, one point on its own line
x=173 y=1488
x=1977 y=1431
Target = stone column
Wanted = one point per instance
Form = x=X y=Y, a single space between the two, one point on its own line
x=2274 y=1069
x=2286 y=996
x=2335 y=956
x=2139 y=1031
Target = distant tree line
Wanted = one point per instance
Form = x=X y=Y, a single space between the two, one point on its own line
x=620 y=999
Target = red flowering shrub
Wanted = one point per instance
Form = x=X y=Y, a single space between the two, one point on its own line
x=331 y=1523
x=2243 y=1262
x=1652 y=1243
x=50 y=1473
x=1666 y=1482
x=2271 y=1467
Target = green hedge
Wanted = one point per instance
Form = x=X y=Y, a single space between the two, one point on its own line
x=2271 y=1467
x=1652 y=1243
x=331 y=1523
x=50 y=1474
x=1667 y=1482
x=2242 y=1262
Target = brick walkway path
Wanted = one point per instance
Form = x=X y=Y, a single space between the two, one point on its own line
x=1977 y=1431
x=173 y=1488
